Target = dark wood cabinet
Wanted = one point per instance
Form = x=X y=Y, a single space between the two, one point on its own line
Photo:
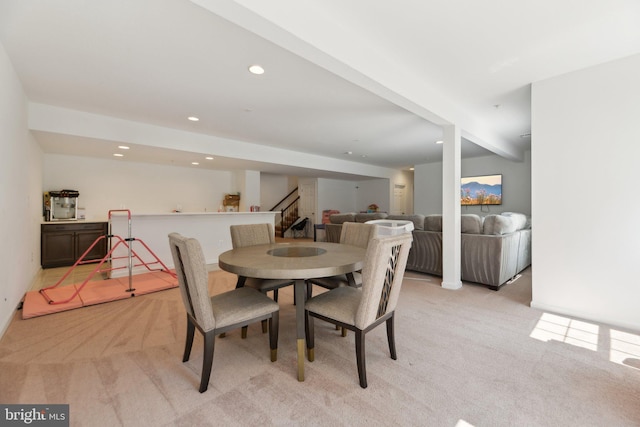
x=63 y=244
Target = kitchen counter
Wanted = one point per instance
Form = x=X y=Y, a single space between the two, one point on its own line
x=210 y=228
x=71 y=221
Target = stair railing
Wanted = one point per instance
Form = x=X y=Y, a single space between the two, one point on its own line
x=275 y=207
x=289 y=216
x=289 y=213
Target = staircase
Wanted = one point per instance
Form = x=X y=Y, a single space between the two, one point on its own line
x=288 y=208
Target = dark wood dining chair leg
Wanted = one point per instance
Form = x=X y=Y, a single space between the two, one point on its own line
x=274 y=325
x=309 y=289
x=243 y=332
x=391 y=338
x=191 y=329
x=275 y=295
x=240 y=282
x=360 y=358
x=264 y=322
x=308 y=333
x=207 y=360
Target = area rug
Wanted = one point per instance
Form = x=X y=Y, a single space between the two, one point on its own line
x=96 y=292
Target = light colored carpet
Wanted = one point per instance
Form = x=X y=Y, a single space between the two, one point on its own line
x=468 y=356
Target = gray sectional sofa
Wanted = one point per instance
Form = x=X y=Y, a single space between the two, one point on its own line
x=494 y=249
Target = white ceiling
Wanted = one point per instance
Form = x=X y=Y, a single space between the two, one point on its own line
x=159 y=61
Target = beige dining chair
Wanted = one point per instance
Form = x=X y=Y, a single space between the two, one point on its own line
x=214 y=315
x=362 y=309
x=257 y=234
x=355 y=234
x=250 y=235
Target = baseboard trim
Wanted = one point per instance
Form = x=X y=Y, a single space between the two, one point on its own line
x=452 y=285
x=513 y=279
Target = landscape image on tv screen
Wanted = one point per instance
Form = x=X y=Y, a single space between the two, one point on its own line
x=481 y=190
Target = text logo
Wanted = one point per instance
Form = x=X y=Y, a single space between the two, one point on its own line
x=34 y=415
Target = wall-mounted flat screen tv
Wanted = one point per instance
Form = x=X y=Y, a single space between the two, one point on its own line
x=481 y=190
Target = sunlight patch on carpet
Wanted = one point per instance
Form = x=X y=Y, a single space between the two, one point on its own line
x=552 y=327
x=625 y=349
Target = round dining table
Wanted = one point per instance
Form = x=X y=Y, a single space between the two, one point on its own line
x=297 y=261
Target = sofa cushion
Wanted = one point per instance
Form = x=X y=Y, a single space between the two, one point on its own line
x=471 y=224
x=433 y=223
x=520 y=220
x=417 y=219
x=344 y=217
x=364 y=217
x=498 y=224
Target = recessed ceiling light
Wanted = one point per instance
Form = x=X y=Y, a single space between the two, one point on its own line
x=123 y=147
x=256 y=69
x=364 y=155
x=193 y=118
x=209 y=158
x=195 y=163
x=118 y=154
x=439 y=142
x=348 y=152
x=412 y=169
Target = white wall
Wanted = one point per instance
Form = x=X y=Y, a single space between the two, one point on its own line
x=274 y=187
x=351 y=196
x=516 y=184
x=247 y=184
x=373 y=191
x=336 y=194
x=427 y=183
x=140 y=187
x=585 y=201
x=20 y=187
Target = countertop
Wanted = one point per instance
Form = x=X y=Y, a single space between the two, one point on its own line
x=121 y=214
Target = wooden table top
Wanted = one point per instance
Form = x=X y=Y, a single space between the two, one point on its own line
x=293 y=260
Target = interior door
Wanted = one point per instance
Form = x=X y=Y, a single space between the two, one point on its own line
x=399 y=200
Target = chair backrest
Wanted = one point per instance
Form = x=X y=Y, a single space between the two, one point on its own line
x=357 y=234
x=193 y=279
x=382 y=274
x=251 y=235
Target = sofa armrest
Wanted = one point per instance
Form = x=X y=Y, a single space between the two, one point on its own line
x=489 y=259
x=425 y=255
x=524 y=250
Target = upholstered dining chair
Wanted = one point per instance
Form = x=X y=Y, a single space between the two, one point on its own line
x=362 y=309
x=256 y=234
x=355 y=234
x=214 y=315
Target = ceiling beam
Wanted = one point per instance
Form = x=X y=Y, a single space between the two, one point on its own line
x=347 y=54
